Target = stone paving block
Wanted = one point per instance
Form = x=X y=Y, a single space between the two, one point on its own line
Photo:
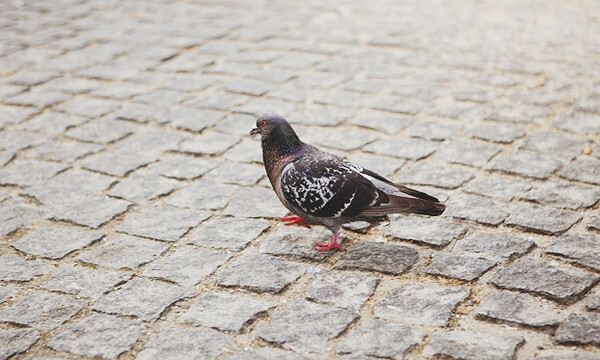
x=30 y=78
x=526 y=163
x=584 y=169
x=579 y=329
x=594 y=223
x=51 y=123
x=325 y=137
x=215 y=100
x=62 y=151
x=15 y=341
x=543 y=219
x=306 y=327
x=267 y=353
x=101 y=131
x=69 y=85
x=17 y=214
x=186 y=343
x=6 y=293
x=37 y=99
x=88 y=107
x=441 y=175
x=421 y=304
x=560 y=284
x=341 y=289
x=493 y=246
x=342 y=98
x=15 y=140
x=562 y=147
x=579 y=122
x=55 y=242
x=579 y=248
x=140 y=113
x=248 y=87
x=235 y=173
x=29 y=172
x=98 y=335
x=319 y=80
x=564 y=195
x=380 y=257
x=476 y=208
x=15 y=268
x=187 y=266
x=500 y=133
x=186 y=62
x=123 y=251
x=383 y=121
x=317 y=114
x=434 y=130
x=118 y=162
x=227 y=232
x=381 y=339
x=593 y=300
x=472 y=345
x=435 y=232
x=560 y=354
x=6 y=156
x=15 y=114
x=42 y=311
x=296 y=241
x=192 y=119
x=397 y=104
x=120 y=91
x=182 y=167
x=91 y=211
x=143 y=186
x=260 y=273
x=520 y=309
x=86 y=282
x=203 y=195
x=248 y=151
x=162 y=222
x=255 y=202
x=412 y=149
x=142 y=298
x=225 y=311
x=208 y=144
x=589 y=103
x=457 y=267
x=467 y=152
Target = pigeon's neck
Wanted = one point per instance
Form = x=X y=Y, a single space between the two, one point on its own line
x=278 y=150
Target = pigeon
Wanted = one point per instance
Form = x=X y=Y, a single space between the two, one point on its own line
x=321 y=188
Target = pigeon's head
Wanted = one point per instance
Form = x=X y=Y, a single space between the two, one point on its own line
x=273 y=126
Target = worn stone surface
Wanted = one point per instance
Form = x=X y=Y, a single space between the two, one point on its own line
x=564 y=195
x=424 y=230
x=543 y=219
x=381 y=339
x=538 y=277
x=306 y=326
x=255 y=202
x=6 y=293
x=42 y=311
x=580 y=248
x=224 y=311
x=296 y=241
x=472 y=345
x=143 y=186
x=384 y=258
x=187 y=265
x=408 y=149
x=182 y=167
x=580 y=329
x=15 y=268
x=340 y=289
x=493 y=246
x=423 y=304
x=593 y=300
x=260 y=273
x=189 y=343
x=266 y=353
x=98 y=335
x=521 y=309
x=559 y=354
x=55 y=242
x=468 y=152
x=526 y=163
x=227 y=232
x=29 y=172
x=458 y=267
x=162 y=222
x=17 y=214
x=123 y=251
x=584 y=168
x=14 y=341
x=501 y=133
x=85 y=282
x=476 y=208
x=203 y=195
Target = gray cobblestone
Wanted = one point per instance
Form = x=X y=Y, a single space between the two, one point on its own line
x=409 y=149
x=88 y=107
x=500 y=133
x=266 y=353
x=42 y=311
x=176 y=342
x=255 y=203
x=51 y=123
x=560 y=146
x=584 y=168
x=101 y=131
x=370 y=256
x=421 y=304
x=296 y=242
x=56 y=242
x=98 y=335
x=37 y=99
x=579 y=329
x=182 y=167
x=86 y=282
x=187 y=266
x=542 y=219
x=564 y=195
x=62 y=151
x=17 y=214
x=526 y=163
x=143 y=186
x=208 y=144
x=341 y=290
x=192 y=119
x=458 y=267
x=476 y=208
x=123 y=251
x=29 y=172
x=423 y=230
x=593 y=302
x=227 y=232
x=559 y=354
x=203 y=195
x=382 y=121
x=15 y=268
x=14 y=341
x=496 y=247
x=235 y=173
x=580 y=123
x=580 y=248
x=306 y=326
x=538 y=277
x=468 y=152
x=6 y=293
x=224 y=311
x=472 y=345
x=142 y=298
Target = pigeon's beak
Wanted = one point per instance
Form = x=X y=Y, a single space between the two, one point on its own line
x=254 y=131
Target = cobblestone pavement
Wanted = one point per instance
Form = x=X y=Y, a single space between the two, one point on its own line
x=136 y=220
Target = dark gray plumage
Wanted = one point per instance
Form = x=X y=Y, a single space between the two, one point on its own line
x=324 y=189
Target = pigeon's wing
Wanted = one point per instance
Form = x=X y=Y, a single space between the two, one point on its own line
x=328 y=188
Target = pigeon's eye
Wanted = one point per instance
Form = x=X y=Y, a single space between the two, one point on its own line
x=263 y=123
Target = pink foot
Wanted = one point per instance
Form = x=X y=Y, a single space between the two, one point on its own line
x=291 y=220
x=332 y=245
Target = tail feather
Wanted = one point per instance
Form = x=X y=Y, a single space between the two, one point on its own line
x=400 y=204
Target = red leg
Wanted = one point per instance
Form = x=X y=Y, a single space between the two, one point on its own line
x=291 y=220
x=332 y=245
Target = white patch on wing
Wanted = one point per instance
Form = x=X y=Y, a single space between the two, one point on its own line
x=345 y=206
x=306 y=189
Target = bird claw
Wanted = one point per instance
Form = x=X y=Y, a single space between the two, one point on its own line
x=292 y=220
x=332 y=245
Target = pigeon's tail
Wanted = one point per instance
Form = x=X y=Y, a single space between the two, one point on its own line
x=401 y=204
x=431 y=208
